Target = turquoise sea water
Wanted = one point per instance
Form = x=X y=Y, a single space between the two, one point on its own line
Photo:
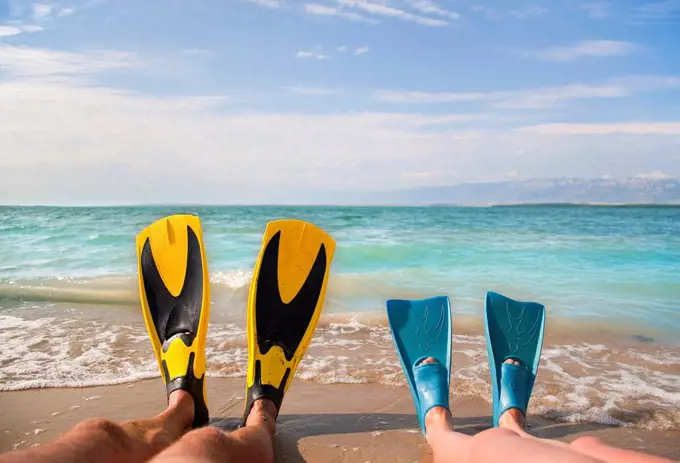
x=614 y=263
x=609 y=277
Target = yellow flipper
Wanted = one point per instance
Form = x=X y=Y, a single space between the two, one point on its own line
x=175 y=296
x=286 y=297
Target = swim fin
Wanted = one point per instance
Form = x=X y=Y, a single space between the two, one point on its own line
x=284 y=305
x=422 y=329
x=514 y=330
x=175 y=297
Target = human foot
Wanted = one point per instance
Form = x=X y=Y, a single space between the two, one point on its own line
x=437 y=418
x=263 y=414
x=512 y=418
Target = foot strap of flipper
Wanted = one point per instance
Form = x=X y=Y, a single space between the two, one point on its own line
x=263 y=391
x=432 y=386
x=188 y=383
x=514 y=391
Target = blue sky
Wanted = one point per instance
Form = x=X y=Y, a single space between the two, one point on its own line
x=271 y=100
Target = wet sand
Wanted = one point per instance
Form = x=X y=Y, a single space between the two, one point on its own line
x=318 y=423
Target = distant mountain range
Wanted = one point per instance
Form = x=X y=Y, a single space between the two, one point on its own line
x=567 y=190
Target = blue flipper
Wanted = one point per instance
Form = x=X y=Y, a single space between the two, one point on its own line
x=422 y=329
x=514 y=330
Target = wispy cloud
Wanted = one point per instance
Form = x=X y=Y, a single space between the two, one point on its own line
x=382 y=9
x=596 y=10
x=316 y=54
x=657 y=11
x=313 y=91
x=41 y=10
x=8 y=31
x=324 y=10
x=361 y=50
x=641 y=128
x=529 y=11
x=273 y=4
x=655 y=175
x=65 y=12
x=538 y=98
x=25 y=62
x=31 y=28
x=590 y=48
x=319 y=53
x=429 y=7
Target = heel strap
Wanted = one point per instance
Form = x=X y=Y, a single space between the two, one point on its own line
x=514 y=392
x=432 y=385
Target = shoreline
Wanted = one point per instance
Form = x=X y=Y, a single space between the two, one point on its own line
x=358 y=422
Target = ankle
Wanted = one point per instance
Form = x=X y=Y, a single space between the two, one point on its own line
x=512 y=419
x=181 y=403
x=438 y=419
x=263 y=414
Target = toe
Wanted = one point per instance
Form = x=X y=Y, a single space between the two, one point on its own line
x=426 y=361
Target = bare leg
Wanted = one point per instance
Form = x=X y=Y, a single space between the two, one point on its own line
x=253 y=443
x=102 y=441
x=490 y=446
x=514 y=420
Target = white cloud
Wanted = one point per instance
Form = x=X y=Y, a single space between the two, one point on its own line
x=25 y=62
x=31 y=28
x=638 y=128
x=66 y=12
x=341 y=49
x=485 y=11
x=657 y=11
x=361 y=50
x=7 y=31
x=324 y=10
x=382 y=9
x=597 y=9
x=41 y=10
x=590 y=48
x=273 y=4
x=537 y=98
x=316 y=54
x=429 y=7
x=527 y=12
x=656 y=175
x=306 y=90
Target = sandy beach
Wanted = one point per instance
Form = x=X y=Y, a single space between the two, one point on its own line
x=318 y=423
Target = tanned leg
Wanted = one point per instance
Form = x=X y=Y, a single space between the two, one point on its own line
x=252 y=443
x=102 y=441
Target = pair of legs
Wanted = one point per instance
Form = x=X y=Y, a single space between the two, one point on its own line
x=511 y=443
x=161 y=439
